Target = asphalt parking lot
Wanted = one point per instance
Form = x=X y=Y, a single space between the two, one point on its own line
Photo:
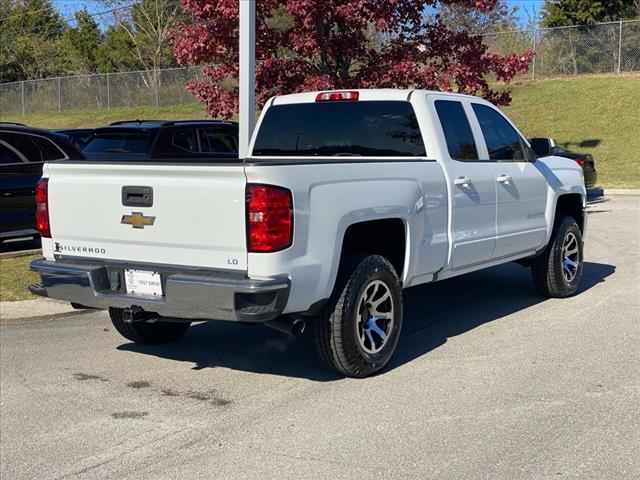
x=490 y=381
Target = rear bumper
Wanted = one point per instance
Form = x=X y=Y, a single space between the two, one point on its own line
x=197 y=294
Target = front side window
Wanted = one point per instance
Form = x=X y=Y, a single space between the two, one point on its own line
x=503 y=141
x=367 y=128
x=457 y=131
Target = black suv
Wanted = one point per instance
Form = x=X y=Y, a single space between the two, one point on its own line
x=140 y=140
x=23 y=151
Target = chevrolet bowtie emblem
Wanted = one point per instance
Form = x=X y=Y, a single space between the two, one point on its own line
x=137 y=220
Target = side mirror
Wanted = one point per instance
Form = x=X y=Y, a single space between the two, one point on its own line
x=542 y=146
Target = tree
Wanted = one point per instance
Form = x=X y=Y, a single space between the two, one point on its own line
x=30 y=31
x=80 y=44
x=149 y=25
x=560 y=13
x=116 y=53
x=339 y=44
x=460 y=17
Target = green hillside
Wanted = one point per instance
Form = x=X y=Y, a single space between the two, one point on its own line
x=596 y=114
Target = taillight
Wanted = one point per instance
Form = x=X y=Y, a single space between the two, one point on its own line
x=42 y=208
x=581 y=161
x=337 y=97
x=269 y=218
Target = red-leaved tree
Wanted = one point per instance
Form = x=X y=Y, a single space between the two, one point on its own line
x=324 y=44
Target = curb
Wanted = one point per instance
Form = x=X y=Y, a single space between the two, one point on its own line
x=622 y=191
x=21 y=253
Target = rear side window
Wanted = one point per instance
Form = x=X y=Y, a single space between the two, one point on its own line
x=116 y=142
x=219 y=140
x=34 y=148
x=8 y=156
x=503 y=141
x=48 y=150
x=457 y=131
x=184 y=140
x=369 y=128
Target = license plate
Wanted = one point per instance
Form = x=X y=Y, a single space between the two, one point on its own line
x=141 y=282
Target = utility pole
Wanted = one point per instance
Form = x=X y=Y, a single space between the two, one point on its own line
x=247 y=118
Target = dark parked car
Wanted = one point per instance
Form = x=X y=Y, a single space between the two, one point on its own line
x=78 y=136
x=23 y=151
x=547 y=146
x=140 y=140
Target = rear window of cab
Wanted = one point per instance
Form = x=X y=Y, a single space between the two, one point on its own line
x=341 y=128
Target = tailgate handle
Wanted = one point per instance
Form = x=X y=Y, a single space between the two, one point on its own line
x=133 y=196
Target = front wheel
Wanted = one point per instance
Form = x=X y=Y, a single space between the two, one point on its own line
x=360 y=332
x=557 y=271
x=147 y=332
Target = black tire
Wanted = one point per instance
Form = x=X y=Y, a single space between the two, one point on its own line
x=338 y=334
x=148 y=333
x=548 y=269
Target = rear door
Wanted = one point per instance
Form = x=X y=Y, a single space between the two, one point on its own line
x=472 y=186
x=160 y=213
x=521 y=187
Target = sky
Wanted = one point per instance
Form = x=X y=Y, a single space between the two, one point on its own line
x=526 y=8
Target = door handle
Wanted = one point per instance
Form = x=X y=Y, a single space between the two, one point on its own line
x=462 y=181
x=503 y=179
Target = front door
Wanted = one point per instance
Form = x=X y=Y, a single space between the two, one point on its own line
x=521 y=188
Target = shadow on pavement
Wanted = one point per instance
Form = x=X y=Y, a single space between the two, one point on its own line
x=433 y=313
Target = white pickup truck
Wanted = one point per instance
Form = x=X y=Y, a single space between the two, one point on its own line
x=347 y=198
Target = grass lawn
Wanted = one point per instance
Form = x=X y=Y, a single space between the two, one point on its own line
x=592 y=114
x=100 y=118
x=15 y=277
x=598 y=115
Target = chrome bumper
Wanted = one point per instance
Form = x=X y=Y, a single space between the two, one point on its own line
x=197 y=294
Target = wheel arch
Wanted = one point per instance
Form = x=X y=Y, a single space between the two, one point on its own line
x=388 y=237
x=570 y=204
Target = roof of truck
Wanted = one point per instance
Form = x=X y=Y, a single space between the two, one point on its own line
x=396 y=94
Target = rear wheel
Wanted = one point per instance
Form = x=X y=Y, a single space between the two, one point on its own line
x=360 y=331
x=557 y=271
x=150 y=332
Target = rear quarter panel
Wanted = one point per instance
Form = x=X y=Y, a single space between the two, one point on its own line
x=329 y=197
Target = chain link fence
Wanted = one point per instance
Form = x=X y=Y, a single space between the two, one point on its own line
x=601 y=48
x=156 y=88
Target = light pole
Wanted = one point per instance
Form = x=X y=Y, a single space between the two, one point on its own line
x=247 y=74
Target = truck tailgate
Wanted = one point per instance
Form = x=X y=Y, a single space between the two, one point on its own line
x=196 y=219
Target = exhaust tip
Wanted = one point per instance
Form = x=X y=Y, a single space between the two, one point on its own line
x=295 y=327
